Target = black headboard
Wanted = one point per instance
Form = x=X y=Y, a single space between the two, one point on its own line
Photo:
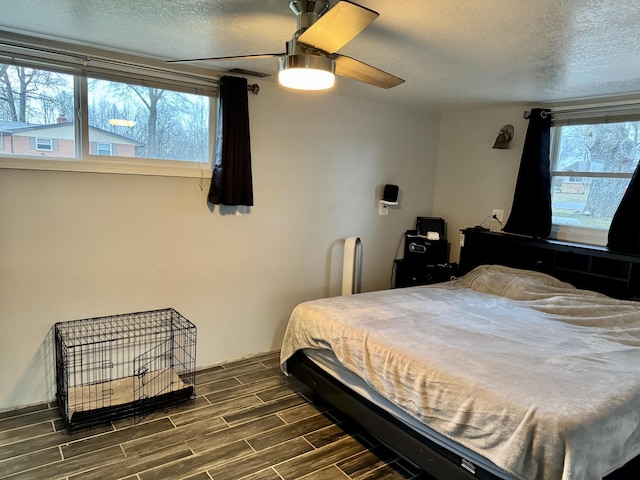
x=585 y=266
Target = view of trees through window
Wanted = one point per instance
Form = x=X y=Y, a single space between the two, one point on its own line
x=592 y=167
x=167 y=124
x=125 y=120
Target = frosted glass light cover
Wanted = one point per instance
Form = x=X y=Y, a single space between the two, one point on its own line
x=306 y=78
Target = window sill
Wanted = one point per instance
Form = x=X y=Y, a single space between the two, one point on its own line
x=588 y=236
x=115 y=165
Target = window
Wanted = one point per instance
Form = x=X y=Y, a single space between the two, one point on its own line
x=147 y=122
x=592 y=161
x=44 y=144
x=104 y=149
x=102 y=113
x=32 y=105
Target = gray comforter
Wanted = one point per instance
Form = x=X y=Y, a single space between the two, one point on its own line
x=539 y=377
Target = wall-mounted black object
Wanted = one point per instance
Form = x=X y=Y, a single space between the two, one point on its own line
x=390 y=193
x=431 y=224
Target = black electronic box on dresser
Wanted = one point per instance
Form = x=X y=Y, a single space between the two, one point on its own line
x=426 y=255
x=584 y=266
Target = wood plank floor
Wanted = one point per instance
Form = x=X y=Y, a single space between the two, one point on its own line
x=247 y=422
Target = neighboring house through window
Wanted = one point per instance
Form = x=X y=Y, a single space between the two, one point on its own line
x=152 y=120
x=60 y=140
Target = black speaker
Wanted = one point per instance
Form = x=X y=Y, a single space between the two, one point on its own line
x=431 y=224
x=390 y=193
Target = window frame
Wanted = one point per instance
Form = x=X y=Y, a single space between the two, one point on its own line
x=582 y=115
x=87 y=62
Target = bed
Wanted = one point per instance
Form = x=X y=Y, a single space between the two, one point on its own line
x=502 y=373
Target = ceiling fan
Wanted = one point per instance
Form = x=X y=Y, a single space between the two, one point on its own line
x=310 y=60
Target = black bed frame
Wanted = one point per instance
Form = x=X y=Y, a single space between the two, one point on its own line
x=585 y=266
x=419 y=450
x=479 y=248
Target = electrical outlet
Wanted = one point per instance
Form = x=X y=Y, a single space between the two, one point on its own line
x=498 y=214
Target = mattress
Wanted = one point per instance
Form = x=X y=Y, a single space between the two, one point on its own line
x=538 y=377
x=327 y=361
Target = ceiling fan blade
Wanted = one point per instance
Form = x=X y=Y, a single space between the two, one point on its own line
x=240 y=57
x=336 y=27
x=357 y=70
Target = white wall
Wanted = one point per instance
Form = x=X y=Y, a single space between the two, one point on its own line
x=76 y=245
x=472 y=178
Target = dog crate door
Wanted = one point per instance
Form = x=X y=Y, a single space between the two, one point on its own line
x=154 y=376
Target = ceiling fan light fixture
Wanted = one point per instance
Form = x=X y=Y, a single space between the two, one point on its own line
x=307 y=72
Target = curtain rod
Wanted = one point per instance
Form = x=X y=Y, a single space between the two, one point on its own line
x=527 y=114
x=580 y=109
x=85 y=59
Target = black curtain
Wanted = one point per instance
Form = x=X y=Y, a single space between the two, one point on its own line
x=624 y=232
x=531 y=209
x=232 y=182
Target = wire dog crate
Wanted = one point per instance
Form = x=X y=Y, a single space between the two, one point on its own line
x=123 y=365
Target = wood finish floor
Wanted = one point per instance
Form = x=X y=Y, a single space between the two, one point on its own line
x=247 y=422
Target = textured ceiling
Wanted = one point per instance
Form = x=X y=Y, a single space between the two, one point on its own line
x=452 y=54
